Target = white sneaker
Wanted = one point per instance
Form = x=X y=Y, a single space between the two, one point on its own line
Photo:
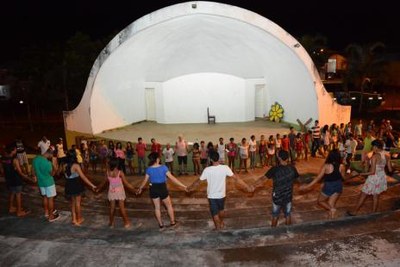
x=55 y=212
x=55 y=218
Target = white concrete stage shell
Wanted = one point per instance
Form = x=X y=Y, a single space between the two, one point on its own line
x=172 y=64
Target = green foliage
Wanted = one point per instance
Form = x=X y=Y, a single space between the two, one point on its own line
x=366 y=66
x=79 y=55
x=54 y=74
x=317 y=47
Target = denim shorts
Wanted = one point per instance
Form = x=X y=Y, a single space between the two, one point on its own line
x=331 y=188
x=49 y=191
x=216 y=205
x=276 y=209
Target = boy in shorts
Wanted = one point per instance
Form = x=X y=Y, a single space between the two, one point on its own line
x=43 y=170
x=283 y=176
x=216 y=187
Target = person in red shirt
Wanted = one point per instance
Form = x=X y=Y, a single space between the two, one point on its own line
x=299 y=146
x=285 y=143
x=307 y=140
x=141 y=153
x=155 y=147
x=232 y=153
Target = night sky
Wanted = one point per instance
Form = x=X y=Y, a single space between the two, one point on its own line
x=342 y=22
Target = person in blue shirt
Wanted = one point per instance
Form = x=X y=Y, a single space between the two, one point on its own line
x=157 y=175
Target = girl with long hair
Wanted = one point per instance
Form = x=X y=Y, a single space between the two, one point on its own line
x=74 y=188
x=332 y=173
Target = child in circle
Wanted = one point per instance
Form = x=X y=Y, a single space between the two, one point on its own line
x=196 y=158
x=116 y=191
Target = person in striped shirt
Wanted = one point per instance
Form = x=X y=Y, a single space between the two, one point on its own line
x=316 y=138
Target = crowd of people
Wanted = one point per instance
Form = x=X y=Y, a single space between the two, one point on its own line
x=211 y=163
x=239 y=156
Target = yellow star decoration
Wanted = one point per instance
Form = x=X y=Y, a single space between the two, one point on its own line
x=276 y=112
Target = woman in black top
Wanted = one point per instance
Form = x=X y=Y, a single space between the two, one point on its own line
x=332 y=172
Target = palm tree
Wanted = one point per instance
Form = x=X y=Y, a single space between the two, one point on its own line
x=365 y=66
x=79 y=54
x=317 y=47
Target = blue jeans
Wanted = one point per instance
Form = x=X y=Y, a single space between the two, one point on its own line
x=252 y=159
x=140 y=162
x=315 y=145
x=276 y=209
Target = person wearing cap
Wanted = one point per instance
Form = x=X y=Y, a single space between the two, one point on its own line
x=283 y=176
x=43 y=170
x=21 y=155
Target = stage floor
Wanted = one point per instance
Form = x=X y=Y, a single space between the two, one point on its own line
x=168 y=133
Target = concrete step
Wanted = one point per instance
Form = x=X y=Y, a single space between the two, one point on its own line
x=94 y=232
x=240 y=213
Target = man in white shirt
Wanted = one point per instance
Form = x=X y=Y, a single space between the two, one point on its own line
x=252 y=150
x=61 y=157
x=358 y=129
x=220 y=147
x=216 y=187
x=168 y=153
x=181 y=149
x=350 y=146
x=43 y=145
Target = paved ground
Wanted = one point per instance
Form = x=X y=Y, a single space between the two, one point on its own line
x=365 y=240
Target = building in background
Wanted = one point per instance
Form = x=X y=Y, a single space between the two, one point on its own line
x=171 y=65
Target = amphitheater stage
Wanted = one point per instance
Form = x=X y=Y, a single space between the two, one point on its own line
x=168 y=133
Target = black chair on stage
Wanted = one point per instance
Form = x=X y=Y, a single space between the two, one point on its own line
x=211 y=118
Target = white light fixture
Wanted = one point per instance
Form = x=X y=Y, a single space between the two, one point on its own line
x=21 y=101
x=353 y=98
x=379 y=97
x=370 y=98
